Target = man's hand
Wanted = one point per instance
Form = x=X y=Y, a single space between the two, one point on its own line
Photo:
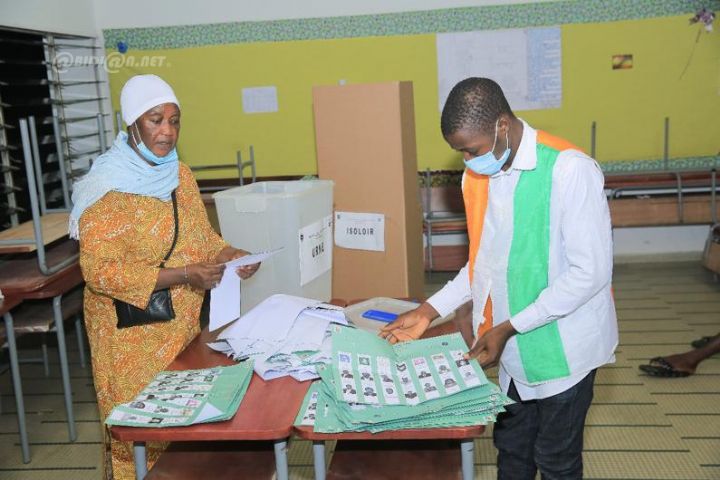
x=488 y=348
x=410 y=325
x=230 y=253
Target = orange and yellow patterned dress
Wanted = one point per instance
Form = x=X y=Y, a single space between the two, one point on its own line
x=123 y=240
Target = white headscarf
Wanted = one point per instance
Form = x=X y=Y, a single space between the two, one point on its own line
x=143 y=92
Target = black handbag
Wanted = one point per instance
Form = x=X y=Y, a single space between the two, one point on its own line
x=160 y=308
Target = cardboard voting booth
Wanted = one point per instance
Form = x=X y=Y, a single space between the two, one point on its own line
x=365 y=137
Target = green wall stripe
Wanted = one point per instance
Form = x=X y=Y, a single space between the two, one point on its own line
x=673 y=164
x=407 y=23
x=444 y=178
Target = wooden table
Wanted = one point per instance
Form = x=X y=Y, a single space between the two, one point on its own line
x=22 y=278
x=358 y=456
x=423 y=453
x=7 y=304
x=21 y=238
x=267 y=412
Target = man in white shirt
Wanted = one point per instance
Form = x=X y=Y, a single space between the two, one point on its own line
x=538 y=276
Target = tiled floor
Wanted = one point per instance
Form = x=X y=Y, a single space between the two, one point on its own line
x=638 y=427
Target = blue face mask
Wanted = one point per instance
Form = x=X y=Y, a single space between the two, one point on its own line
x=487 y=164
x=150 y=156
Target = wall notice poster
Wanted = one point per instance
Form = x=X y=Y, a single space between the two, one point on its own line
x=526 y=63
x=315 y=242
x=260 y=99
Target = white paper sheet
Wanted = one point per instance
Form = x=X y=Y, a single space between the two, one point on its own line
x=360 y=231
x=222 y=347
x=331 y=314
x=526 y=63
x=225 y=298
x=315 y=242
x=266 y=324
x=252 y=259
x=260 y=99
x=208 y=411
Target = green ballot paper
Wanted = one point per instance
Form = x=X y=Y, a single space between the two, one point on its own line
x=373 y=386
x=369 y=370
x=186 y=397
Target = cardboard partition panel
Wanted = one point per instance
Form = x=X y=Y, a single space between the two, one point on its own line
x=365 y=138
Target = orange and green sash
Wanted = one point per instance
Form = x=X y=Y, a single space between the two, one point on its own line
x=541 y=350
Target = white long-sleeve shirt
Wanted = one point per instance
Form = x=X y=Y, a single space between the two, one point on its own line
x=578 y=295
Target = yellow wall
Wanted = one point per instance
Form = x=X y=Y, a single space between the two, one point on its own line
x=629 y=105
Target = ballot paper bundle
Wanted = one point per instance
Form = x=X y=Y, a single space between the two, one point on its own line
x=186 y=397
x=370 y=385
x=284 y=335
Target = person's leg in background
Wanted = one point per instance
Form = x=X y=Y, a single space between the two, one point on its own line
x=682 y=364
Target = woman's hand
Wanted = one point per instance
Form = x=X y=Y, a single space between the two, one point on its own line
x=231 y=253
x=204 y=275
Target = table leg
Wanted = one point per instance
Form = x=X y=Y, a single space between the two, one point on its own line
x=17 y=386
x=46 y=362
x=467 y=453
x=429 y=248
x=281 y=460
x=64 y=368
x=319 y=459
x=140 y=460
x=79 y=332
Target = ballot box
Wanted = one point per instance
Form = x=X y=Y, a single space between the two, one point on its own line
x=295 y=216
x=375 y=313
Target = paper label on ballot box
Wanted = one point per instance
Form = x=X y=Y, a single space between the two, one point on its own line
x=315 y=241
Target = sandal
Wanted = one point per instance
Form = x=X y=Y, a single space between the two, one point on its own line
x=662 y=368
x=701 y=342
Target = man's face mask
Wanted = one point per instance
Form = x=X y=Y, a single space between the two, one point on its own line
x=487 y=164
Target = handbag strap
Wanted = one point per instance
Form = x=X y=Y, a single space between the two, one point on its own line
x=177 y=227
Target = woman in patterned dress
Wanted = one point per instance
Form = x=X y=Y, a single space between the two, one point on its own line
x=123 y=217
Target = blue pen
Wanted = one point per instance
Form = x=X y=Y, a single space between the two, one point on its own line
x=380 y=315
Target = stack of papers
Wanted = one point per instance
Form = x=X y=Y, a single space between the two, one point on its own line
x=306 y=347
x=285 y=335
x=186 y=397
x=373 y=386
